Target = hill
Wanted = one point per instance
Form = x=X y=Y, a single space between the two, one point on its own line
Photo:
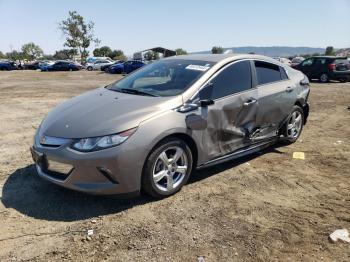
x=284 y=51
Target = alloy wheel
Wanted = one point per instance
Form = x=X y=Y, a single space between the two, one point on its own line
x=324 y=78
x=170 y=168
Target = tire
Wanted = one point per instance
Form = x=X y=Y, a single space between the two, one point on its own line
x=324 y=78
x=290 y=134
x=157 y=175
x=90 y=68
x=343 y=80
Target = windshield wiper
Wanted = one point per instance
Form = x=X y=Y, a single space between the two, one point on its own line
x=135 y=91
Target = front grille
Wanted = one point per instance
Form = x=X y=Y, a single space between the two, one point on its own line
x=58 y=170
x=57 y=175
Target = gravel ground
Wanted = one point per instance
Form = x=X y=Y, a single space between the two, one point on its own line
x=265 y=207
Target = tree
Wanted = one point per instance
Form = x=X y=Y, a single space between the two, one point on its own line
x=102 y=51
x=180 y=51
x=329 y=50
x=151 y=55
x=15 y=55
x=79 y=34
x=2 y=55
x=118 y=55
x=64 y=54
x=31 y=51
x=217 y=50
x=46 y=57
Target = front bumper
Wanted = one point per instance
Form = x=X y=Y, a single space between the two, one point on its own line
x=110 y=171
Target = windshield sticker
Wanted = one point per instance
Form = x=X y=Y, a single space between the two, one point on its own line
x=197 y=67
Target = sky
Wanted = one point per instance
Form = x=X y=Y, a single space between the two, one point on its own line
x=194 y=25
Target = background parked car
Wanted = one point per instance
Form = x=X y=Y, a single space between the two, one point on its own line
x=297 y=60
x=105 y=67
x=283 y=60
x=37 y=65
x=95 y=58
x=61 y=66
x=125 y=67
x=326 y=68
x=96 y=65
x=8 y=65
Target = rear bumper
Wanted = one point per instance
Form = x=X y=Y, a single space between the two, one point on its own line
x=340 y=75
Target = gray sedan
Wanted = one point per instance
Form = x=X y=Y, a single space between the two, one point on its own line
x=149 y=131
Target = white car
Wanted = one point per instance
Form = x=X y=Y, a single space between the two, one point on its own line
x=283 y=60
x=96 y=65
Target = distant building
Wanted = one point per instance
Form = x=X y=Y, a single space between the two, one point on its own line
x=161 y=50
x=343 y=52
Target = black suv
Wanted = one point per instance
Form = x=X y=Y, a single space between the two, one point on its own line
x=325 y=68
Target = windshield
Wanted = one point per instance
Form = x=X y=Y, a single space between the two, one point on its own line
x=168 y=77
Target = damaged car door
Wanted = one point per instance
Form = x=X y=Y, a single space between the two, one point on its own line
x=276 y=98
x=231 y=118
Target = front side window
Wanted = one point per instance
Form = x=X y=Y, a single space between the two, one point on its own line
x=307 y=62
x=167 y=77
x=233 y=79
x=267 y=73
x=320 y=61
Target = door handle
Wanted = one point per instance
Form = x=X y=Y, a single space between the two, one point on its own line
x=289 y=89
x=250 y=102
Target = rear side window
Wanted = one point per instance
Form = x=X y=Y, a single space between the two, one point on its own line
x=267 y=73
x=341 y=61
x=320 y=61
x=233 y=79
x=284 y=75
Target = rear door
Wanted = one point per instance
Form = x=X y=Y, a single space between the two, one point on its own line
x=276 y=95
x=231 y=119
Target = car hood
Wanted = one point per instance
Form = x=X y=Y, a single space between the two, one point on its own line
x=117 y=65
x=102 y=112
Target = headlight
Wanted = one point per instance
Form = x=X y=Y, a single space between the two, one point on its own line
x=97 y=143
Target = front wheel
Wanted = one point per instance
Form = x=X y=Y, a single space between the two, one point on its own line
x=89 y=68
x=167 y=168
x=294 y=125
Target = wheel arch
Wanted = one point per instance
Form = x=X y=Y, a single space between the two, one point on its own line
x=305 y=107
x=187 y=139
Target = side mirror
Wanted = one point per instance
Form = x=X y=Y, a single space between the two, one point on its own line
x=205 y=102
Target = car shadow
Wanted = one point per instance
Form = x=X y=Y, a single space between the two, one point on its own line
x=27 y=193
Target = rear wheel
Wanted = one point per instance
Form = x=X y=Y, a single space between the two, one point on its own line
x=167 y=168
x=324 y=78
x=90 y=68
x=294 y=125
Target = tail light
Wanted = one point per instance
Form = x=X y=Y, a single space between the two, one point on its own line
x=331 y=66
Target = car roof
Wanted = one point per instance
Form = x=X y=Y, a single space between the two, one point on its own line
x=220 y=57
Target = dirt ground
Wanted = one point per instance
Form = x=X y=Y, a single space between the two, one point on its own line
x=266 y=207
